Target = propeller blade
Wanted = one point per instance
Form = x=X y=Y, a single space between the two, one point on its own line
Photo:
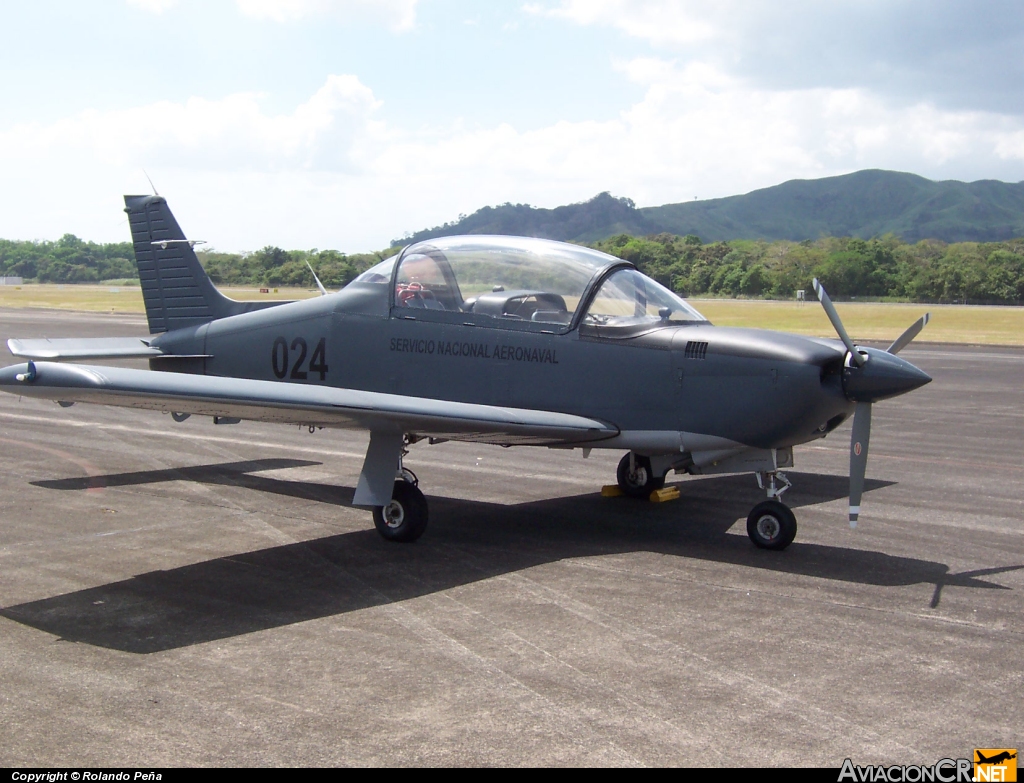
x=837 y=323
x=913 y=331
x=323 y=291
x=859 y=457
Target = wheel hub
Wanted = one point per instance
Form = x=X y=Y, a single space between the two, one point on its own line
x=768 y=527
x=394 y=514
x=638 y=477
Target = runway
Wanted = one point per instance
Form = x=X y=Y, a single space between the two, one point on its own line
x=191 y=594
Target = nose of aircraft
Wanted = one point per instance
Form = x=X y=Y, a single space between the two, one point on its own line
x=882 y=376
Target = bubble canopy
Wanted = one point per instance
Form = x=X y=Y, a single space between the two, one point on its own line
x=523 y=283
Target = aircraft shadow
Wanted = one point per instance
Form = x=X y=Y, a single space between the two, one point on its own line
x=236 y=474
x=467 y=541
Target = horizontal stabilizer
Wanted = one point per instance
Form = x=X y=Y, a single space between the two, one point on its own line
x=78 y=348
x=290 y=403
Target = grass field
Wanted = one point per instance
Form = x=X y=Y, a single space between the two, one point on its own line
x=119 y=299
x=870 y=321
x=950 y=323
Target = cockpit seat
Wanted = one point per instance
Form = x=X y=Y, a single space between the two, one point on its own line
x=519 y=304
x=416 y=295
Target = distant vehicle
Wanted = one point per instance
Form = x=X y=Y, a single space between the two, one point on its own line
x=500 y=340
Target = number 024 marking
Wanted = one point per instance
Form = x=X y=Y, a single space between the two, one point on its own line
x=280 y=354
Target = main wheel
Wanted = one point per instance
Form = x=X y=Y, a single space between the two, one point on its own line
x=641 y=481
x=405 y=518
x=771 y=525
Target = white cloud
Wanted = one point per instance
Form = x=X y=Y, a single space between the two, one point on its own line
x=658 y=21
x=959 y=55
x=330 y=173
x=399 y=14
x=232 y=133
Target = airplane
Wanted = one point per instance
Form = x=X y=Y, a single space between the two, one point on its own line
x=996 y=759
x=500 y=340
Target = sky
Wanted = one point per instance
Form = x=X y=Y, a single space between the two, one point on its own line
x=346 y=124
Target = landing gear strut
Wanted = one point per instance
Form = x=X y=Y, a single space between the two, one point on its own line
x=770 y=524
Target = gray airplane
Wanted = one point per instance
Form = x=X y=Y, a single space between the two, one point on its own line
x=500 y=340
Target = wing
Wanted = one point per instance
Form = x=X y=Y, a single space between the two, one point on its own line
x=288 y=403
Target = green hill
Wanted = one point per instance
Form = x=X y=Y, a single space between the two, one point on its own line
x=863 y=204
x=588 y=221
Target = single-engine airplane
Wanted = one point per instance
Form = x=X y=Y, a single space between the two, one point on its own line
x=500 y=340
x=996 y=759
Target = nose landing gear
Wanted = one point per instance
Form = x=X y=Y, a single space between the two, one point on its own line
x=770 y=524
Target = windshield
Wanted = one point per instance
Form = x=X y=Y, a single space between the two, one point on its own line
x=381 y=273
x=629 y=299
x=507 y=278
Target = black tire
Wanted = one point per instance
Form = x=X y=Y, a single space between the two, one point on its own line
x=642 y=482
x=771 y=525
x=405 y=518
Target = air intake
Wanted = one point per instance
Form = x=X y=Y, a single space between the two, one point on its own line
x=696 y=350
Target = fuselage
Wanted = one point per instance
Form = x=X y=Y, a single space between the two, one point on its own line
x=759 y=388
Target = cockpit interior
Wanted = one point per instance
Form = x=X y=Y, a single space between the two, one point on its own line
x=502 y=281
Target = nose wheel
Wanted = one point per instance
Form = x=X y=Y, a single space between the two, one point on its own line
x=771 y=525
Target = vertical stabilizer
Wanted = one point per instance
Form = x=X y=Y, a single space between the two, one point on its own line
x=177 y=291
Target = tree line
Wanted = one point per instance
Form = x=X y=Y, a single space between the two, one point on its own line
x=73 y=260
x=883 y=267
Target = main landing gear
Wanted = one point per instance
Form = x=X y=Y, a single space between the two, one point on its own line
x=390 y=490
x=405 y=518
x=636 y=477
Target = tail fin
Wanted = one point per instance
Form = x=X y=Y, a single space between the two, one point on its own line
x=176 y=289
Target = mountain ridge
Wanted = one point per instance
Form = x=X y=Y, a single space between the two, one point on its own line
x=867 y=203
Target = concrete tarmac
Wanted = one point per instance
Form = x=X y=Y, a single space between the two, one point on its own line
x=191 y=594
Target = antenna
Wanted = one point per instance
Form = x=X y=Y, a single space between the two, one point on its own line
x=150 y=183
x=323 y=291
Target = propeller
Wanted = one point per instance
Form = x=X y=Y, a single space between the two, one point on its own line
x=859 y=457
x=865 y=382
x=913 y=331
x=837 y=323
